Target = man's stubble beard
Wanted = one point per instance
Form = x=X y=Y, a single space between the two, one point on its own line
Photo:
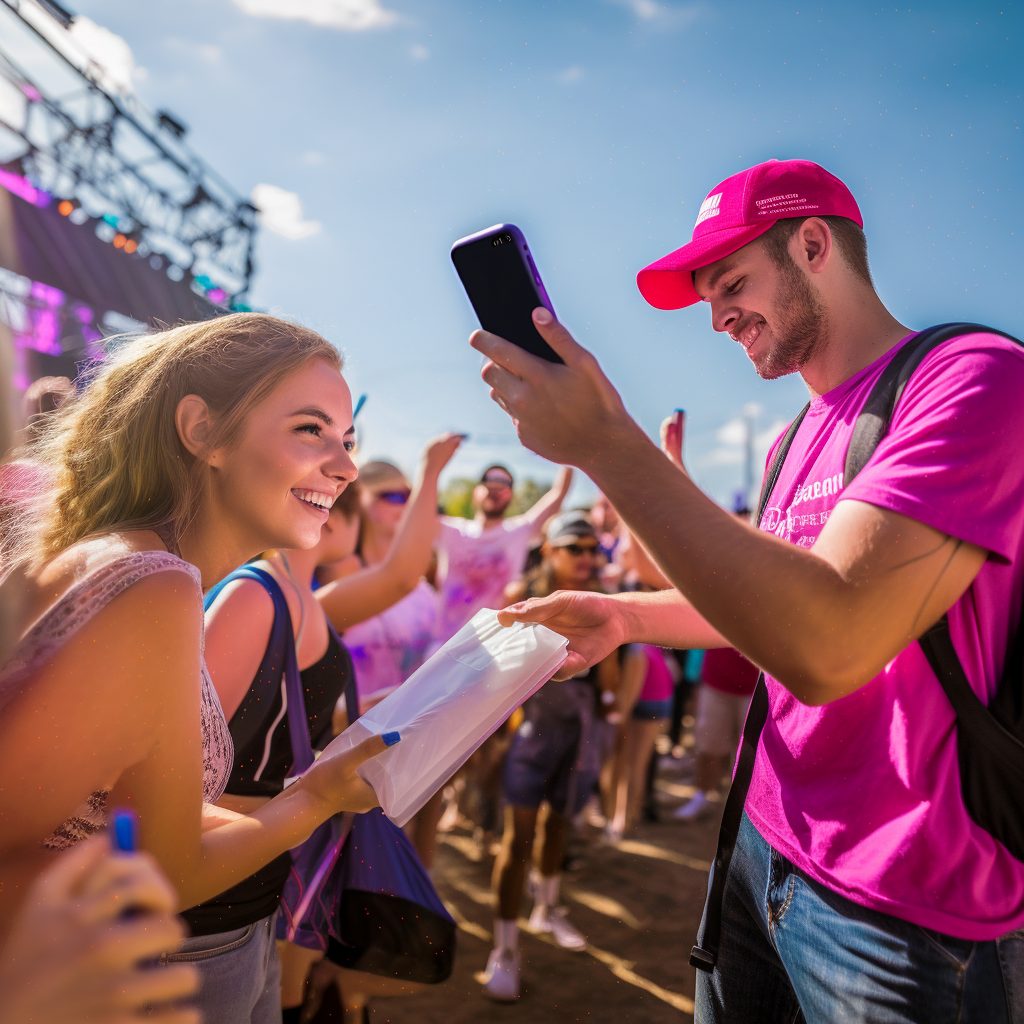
x=802 y=326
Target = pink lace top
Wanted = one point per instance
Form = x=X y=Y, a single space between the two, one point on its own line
x=82 y=601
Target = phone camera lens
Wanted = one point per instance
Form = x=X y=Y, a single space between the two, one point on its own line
x=507 y=238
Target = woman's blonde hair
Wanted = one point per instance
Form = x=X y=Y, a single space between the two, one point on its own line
x=112 y=457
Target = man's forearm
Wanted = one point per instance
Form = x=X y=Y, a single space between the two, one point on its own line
x=769 y=599
x=665 y=619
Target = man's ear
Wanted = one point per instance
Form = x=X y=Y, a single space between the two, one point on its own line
x=813 y=245
x=194 y=423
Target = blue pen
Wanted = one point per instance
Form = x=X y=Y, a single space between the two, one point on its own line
x=360 y=402
x=124 y=832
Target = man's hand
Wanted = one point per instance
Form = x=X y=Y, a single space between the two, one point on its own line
x=591 y=622
x=558 y=410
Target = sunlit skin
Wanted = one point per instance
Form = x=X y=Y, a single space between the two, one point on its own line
x=289 y=444
x=774 y=312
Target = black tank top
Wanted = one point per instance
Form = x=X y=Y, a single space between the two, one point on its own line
x=260 y=730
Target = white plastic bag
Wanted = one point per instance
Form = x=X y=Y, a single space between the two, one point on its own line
x=451 y=704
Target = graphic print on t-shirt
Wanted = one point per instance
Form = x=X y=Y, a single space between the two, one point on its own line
x=801 y=525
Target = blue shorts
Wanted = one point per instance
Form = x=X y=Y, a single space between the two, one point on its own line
x=544 y=762
x=652 y=710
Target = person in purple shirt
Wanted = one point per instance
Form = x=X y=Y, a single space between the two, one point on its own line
x=860 y=888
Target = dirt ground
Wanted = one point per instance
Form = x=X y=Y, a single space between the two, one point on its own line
x=639 y=904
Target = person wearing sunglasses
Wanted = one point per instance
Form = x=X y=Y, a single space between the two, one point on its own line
x=554 y=760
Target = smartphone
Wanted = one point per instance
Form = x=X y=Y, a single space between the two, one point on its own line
x=504 y=286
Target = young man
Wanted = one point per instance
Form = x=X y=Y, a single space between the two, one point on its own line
x=477 y=558
x=860 y=888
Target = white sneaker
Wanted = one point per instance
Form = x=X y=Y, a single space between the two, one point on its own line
x=696 y=807
x=501 y=978
x=554 y=921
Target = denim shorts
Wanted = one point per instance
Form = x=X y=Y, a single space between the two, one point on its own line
x=544 y=764
x=793 y=950
x=652 y=710
x=240 y=974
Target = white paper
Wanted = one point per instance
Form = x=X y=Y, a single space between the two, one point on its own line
x=451 y=704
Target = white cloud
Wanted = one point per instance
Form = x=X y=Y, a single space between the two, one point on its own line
x=345 y=15
x=571 y=75
x=419 y=52
x=732 y=432
x=280 y=212
x=107 y=54
x=731 y=438
x=663 y=13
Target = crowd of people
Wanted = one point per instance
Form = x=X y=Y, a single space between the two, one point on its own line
x=204 y=584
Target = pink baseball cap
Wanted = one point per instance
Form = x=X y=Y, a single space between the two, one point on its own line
x=736 y=212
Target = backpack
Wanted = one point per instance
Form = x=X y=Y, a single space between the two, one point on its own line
x=990 y=740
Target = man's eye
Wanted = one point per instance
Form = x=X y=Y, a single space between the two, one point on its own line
x=313 y=428
x=732 y=289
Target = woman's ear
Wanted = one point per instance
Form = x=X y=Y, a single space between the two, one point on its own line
x=194 y=423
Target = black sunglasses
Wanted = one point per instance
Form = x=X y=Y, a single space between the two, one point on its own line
x=580 y=549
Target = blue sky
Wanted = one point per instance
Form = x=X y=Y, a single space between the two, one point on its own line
x=393 y=127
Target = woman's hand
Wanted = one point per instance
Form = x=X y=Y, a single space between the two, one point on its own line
x=591 y=622
x=440 y=452
x=332 y=779
x=673 y=429
x=72 y=957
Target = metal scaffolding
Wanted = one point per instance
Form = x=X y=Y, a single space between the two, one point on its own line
x=69 y=132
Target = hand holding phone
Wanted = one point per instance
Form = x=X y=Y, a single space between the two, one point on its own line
x=504 y=286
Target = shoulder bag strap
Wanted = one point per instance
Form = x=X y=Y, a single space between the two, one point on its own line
x=282 y=641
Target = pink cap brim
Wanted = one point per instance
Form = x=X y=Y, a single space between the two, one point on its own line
x=668 y=283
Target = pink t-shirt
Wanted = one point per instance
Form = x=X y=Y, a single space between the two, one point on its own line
x=726 y=670
x=863 y=794
x=658 y=681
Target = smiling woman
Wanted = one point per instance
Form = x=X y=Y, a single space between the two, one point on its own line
x=190 y=451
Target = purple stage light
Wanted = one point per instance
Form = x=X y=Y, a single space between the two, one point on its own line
x=24 y=189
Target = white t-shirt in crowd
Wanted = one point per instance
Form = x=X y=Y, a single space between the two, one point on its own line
x=388 y=648
x=475 y=565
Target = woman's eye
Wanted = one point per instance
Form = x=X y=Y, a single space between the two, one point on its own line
x=350 y=445
x=312 y=428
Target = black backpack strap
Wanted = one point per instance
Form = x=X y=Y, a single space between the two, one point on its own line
x=875 y=416
x=704 y=955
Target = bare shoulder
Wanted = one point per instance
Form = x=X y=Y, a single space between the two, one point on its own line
x=243 y=600
x=41 y=588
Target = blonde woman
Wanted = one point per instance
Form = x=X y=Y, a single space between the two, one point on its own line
x=191 y=451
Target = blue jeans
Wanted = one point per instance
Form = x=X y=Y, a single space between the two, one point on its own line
x=240 y=974
x=793 y=951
